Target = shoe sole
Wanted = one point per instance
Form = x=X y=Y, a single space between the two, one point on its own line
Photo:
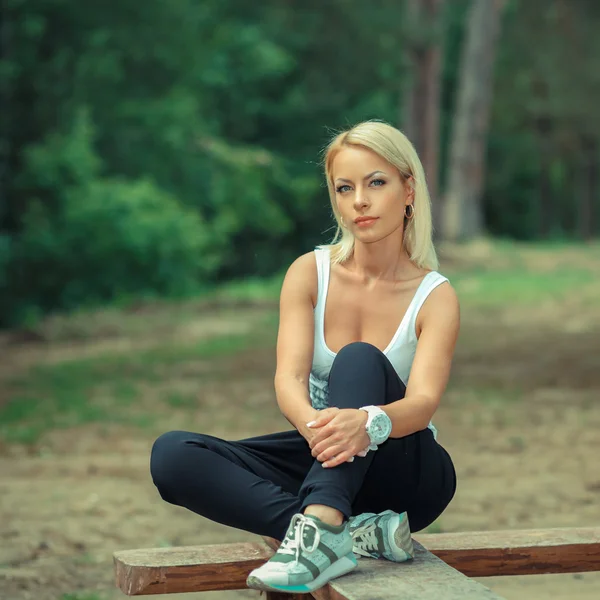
x=399 y=539
x=337 y=569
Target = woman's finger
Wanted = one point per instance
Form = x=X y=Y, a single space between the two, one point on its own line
x=332 y=451
x=325 y=416
x=323 y=442
x=323 y=436
x=338 y=459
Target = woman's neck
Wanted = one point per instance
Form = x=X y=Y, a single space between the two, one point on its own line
x=381 y=261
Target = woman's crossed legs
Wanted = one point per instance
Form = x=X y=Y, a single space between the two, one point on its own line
x=259 y=484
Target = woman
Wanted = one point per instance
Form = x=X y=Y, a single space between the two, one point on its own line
x=356 y=318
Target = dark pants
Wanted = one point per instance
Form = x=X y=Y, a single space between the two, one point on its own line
x=258 y=484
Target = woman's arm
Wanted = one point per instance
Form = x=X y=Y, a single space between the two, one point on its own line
x=295 y=341
x=439 y=320
x=430 y=372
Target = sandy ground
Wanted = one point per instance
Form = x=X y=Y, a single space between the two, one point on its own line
x=67 y=503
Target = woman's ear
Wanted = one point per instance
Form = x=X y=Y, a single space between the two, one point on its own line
x=410 y=189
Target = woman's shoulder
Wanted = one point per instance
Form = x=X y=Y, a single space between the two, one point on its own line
x=440 y=309
x=302 y=275
x=305 y=264
x=442 y=297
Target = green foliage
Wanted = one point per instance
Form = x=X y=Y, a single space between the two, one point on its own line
x=63 y=159
x=218 y=110
x=87 y=239
x=111 y=238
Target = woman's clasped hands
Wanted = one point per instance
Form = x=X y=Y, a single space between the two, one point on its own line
x=338 y=435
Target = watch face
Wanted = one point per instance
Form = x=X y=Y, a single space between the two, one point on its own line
x=380 y=428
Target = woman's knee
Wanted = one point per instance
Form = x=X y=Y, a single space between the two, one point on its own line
x=167 y=456
x=358 y=356
x=359 y=351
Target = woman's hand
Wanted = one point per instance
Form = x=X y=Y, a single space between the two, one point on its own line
x=305 y=431
x=340 y=434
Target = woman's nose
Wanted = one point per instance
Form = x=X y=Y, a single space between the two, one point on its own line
x=360 y=199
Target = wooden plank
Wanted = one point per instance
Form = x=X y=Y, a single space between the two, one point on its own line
x=226 y=566
x=518 y=552
x=187 y=568
x=524 y=552
x=424 y=578
x=475 y=554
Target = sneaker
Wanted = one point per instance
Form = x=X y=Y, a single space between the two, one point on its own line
x=311 y=554
x=386 y=535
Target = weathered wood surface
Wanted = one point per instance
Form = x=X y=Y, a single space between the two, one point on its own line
x=521 y=552
x=475 y=554
x=187 y=568
x=424 y=578
x=490 y=553
x=225 y=567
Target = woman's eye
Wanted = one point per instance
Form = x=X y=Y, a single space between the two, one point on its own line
x=340 y=188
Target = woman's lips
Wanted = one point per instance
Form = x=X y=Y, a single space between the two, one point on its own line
x=366 y=222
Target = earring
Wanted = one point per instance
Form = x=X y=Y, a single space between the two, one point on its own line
x=410 y=214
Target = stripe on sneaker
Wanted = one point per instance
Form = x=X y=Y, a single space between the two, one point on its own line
x=315 y=571
x=282 y=558
x=328 y=552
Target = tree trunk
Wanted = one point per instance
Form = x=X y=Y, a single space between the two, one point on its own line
x=421 y=121
x=546 y=204
x=5 y=117
x=588 y=201
x=463 y=211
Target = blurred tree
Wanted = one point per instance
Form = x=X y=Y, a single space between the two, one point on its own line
x=220 y=104
x=421 y=116
x=544 y=129
x=463 y=210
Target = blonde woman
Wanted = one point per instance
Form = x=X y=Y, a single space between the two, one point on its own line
x=366 y=337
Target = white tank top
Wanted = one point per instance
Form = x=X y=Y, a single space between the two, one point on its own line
x=400 y=351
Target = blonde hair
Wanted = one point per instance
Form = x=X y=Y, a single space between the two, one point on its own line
x=394 y=147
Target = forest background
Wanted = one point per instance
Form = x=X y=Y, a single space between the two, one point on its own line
x=160 y=148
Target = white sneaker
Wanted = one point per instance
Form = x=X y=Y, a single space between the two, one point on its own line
x=384 y=535
x=311 y=554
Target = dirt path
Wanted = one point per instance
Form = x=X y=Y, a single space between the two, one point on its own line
x=65 y=511
x=523 y=462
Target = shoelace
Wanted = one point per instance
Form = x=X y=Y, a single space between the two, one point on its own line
x=294 y=544
x=364 y=538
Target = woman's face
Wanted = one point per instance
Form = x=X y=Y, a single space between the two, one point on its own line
x=367 y=186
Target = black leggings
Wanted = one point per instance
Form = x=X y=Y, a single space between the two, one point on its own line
x=258 y=484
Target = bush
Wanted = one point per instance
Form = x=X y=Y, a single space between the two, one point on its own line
x=111 y=238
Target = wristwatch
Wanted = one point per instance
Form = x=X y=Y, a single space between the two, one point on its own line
x=379 y=425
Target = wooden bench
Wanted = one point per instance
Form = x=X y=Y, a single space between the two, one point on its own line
x=442 y=568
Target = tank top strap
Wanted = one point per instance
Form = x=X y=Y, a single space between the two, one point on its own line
x=323 y=267
x=429 y=283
